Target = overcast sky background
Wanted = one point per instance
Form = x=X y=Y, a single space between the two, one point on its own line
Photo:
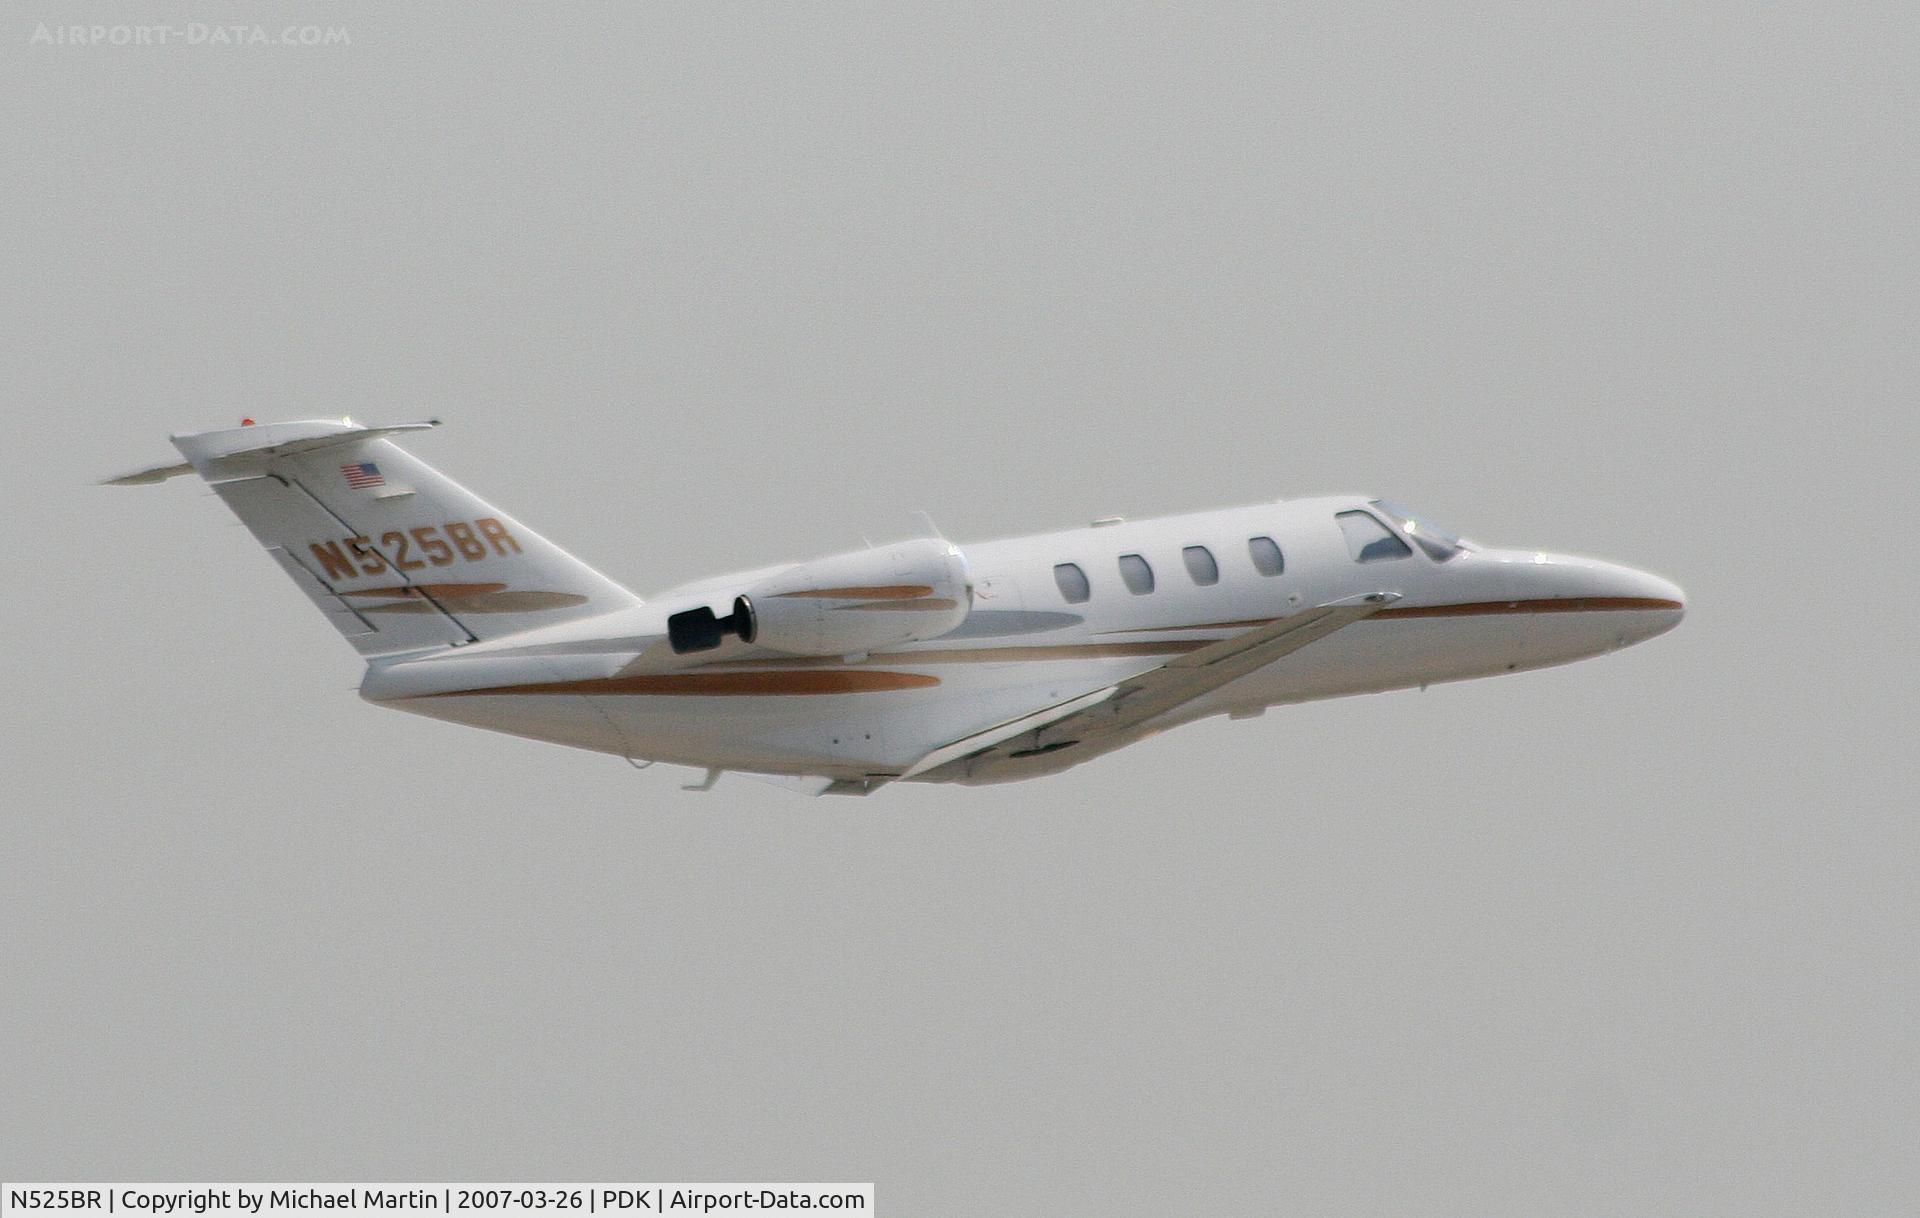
x=702 y=287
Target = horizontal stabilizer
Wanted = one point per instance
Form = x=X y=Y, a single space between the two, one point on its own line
x=238 y=451
x=141 y=477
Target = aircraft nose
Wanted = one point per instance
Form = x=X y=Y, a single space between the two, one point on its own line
x=1579 y=607
x=1659 y=604
x=1637 y=605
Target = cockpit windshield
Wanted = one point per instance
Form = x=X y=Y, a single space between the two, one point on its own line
x=1439 y=544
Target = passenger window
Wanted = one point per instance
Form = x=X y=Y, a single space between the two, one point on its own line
x=1368 y=539
x=1137 y=575
x=1266 y=555
x=1072 y=581
x=1200 y=565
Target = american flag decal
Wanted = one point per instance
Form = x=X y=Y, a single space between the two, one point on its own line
x=362 y=474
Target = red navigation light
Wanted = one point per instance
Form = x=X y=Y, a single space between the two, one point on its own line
x=247 y=422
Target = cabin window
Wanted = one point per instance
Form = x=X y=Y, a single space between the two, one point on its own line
x=1136 y=574
x=1072 y=581
x=1266 y=555
x=1200 y=565
x=1368 y=539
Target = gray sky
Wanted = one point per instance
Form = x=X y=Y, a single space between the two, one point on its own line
x=700 y=288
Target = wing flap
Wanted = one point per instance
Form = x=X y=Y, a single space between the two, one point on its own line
x=981 y=741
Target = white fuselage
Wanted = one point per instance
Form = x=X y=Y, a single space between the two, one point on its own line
x=1027 y=640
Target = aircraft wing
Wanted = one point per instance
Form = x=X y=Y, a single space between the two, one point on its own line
x=1106 y=717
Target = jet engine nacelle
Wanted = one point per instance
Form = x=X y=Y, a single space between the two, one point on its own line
x=842 y=605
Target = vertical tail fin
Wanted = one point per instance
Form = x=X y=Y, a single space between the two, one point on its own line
x=396 y=554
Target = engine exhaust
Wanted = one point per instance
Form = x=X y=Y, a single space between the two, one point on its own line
x=703 y=630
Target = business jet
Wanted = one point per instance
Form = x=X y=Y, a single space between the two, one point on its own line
x=917 y=661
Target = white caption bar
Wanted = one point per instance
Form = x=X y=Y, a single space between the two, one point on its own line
x=457 y=1200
